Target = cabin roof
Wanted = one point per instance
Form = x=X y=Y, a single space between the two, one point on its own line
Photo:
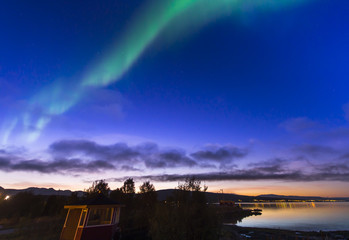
x=99 y=200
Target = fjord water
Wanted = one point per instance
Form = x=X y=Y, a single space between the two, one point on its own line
x=301 y=216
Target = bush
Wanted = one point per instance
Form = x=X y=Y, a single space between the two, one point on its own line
x=185 y=216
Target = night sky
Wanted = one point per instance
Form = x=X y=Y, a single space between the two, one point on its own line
x=250 y=96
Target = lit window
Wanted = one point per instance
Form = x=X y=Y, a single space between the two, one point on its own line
x=100 y=216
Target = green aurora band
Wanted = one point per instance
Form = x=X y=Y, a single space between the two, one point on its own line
x=156 y=17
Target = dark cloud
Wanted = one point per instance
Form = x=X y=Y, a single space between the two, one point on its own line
x=223 y=155
x=247 y=175
x=56 y=166
x=33 y=165
x=128 y=168
x=220 y=154
x=344 y=156
x=116 y=152
x=13 y=151
x=333 y=168
x=13 y=161
x=70 y=157
x=218 y=176
x=99 y=164
x=169 y=159
x=89 y=156
x=4 y=163
x=147 y=148
x=276 y=165
x=148 y=154
x=274 y=169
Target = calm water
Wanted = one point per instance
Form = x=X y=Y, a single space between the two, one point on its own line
x=308 y=216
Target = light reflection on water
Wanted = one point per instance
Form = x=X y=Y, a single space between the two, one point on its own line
x=302 y=216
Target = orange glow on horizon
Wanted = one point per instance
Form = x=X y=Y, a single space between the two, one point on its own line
x=319 y=189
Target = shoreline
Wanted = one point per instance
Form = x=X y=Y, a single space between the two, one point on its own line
x=238 y=233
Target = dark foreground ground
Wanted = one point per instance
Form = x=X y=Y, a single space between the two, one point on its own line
x=230 y=232
x=49 y=229
x=233 y=232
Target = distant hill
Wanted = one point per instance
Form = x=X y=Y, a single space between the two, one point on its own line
x=304 y=198
x=164 y=194
x=216 y=197
x=40 y=191
x=211 y=197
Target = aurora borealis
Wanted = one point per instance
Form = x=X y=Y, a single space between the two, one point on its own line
x=150 y=22
x=149 y=79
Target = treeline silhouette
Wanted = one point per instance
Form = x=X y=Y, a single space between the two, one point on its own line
x=28 y=205
x=183 y=215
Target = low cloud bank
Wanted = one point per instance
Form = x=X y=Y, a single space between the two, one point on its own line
x=274 y=169
x=89 y=156
x=217 y=162
x=247 y=175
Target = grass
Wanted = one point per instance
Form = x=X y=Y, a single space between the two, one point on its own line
x=43 y=228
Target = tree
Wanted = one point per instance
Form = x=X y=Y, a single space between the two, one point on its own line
x=147 y=196
x=126 y=196
x=117 y=195
x=186 y=216
x=129 y=186
x=146 y=187
x=146 y=203
x=53 y=205
x=98 y=186
x=125 y=193
x=192 y=184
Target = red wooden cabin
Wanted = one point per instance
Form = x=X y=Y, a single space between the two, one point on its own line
x=95 y=219
x=227 y=203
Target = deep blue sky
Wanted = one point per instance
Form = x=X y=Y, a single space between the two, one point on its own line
x=253 y=89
